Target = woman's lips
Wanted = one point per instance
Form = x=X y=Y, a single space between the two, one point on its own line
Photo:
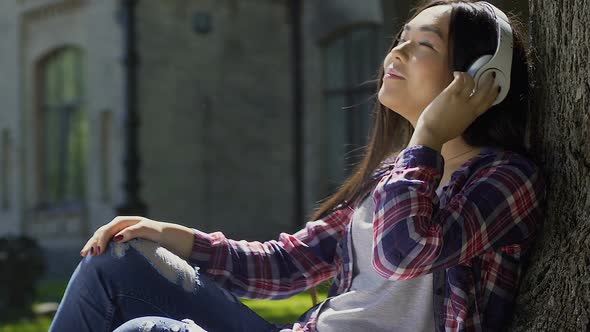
x=393 y=76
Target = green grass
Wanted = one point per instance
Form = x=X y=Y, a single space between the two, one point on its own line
x=283 y=311
x=47 y=291
x=276 y=311
x=36 y=325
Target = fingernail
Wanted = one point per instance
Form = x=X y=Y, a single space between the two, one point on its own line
x=118 y=238
x=81 y=252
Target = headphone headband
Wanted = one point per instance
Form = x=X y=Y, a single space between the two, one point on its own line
x=501 y=60
x=505 y=39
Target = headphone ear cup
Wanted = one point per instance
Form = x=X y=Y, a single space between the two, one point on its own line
x=502 y=81
x=478 y=68
x=474 y=69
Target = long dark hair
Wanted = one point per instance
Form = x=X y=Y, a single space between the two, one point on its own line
x=472 y=33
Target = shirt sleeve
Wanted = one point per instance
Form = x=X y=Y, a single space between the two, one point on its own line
x=273 y=269
x=498 y=206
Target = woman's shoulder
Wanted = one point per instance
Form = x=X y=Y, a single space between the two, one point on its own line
x=497 y=157
x=488 y=160
x=511 y=168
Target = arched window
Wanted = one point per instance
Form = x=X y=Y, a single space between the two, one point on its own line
x=350 y=61
x=63 y=129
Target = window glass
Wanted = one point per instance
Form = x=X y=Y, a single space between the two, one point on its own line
x=351 y=61
x=64 y=129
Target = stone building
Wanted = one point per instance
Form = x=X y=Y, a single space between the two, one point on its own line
x=216 y=107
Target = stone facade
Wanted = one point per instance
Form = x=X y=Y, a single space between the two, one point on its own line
x=216 y=115
x=33 y=30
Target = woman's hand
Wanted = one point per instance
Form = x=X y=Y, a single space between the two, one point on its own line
x=122 y=229
x=454 y=109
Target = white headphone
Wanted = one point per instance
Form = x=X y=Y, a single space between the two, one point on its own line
x=501 y=61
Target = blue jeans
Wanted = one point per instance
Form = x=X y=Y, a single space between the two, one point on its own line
x=141 y=286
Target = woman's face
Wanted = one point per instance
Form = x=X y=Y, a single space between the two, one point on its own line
x=421 y=58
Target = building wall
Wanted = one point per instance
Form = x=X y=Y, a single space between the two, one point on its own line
x=215 y=135
x=216 y=117
x=31 y=30
x=9 y=116
x=91 y=27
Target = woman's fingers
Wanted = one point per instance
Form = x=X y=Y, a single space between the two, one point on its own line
x=99 y=241
x=86 y=248
x=484 y=96
x=145 y=229
x=457 y=84
x=494 y=91
x=468 y=85
x=489 y=99
x=119 y=223
x=129 y=233
x=462 y=84
x=90 y=247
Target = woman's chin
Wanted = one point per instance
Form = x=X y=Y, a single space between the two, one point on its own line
x=392 y=92
x=390 y=101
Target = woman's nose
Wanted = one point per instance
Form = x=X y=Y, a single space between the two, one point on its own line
x=399 y=52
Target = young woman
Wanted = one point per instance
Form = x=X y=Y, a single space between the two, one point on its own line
x=430 y=238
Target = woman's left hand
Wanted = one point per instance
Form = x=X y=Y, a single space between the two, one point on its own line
x=123 y=229
x=454 y=109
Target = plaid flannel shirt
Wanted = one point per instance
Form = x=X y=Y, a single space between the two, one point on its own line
x=475 y=239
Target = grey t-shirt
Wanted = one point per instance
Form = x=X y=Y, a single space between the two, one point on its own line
x=374 y=303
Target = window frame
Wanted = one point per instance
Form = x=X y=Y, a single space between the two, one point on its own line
x=73 y=105
x=356 y=138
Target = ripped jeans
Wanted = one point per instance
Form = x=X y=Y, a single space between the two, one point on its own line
x=141 y=286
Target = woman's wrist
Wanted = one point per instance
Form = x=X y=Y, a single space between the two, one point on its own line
x=177 y=238
x=423 y=136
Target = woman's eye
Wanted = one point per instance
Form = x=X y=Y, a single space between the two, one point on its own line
x=401 y=40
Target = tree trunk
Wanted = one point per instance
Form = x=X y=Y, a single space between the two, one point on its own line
x=555 y=293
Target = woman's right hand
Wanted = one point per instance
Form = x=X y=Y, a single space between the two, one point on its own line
x=122 y=229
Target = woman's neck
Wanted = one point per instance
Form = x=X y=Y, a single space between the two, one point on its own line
x=457 y=151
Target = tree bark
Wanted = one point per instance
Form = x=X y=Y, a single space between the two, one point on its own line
x=555 y=292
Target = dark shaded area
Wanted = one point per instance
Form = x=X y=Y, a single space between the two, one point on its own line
x=21 y=266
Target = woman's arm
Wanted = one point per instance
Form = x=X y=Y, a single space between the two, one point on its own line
x=272 y=269
x=497 y=207
x=177 y=238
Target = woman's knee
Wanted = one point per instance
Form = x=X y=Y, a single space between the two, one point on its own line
x=141 y=254
x=116 y=255
x=158 y=324
x=166 y=263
